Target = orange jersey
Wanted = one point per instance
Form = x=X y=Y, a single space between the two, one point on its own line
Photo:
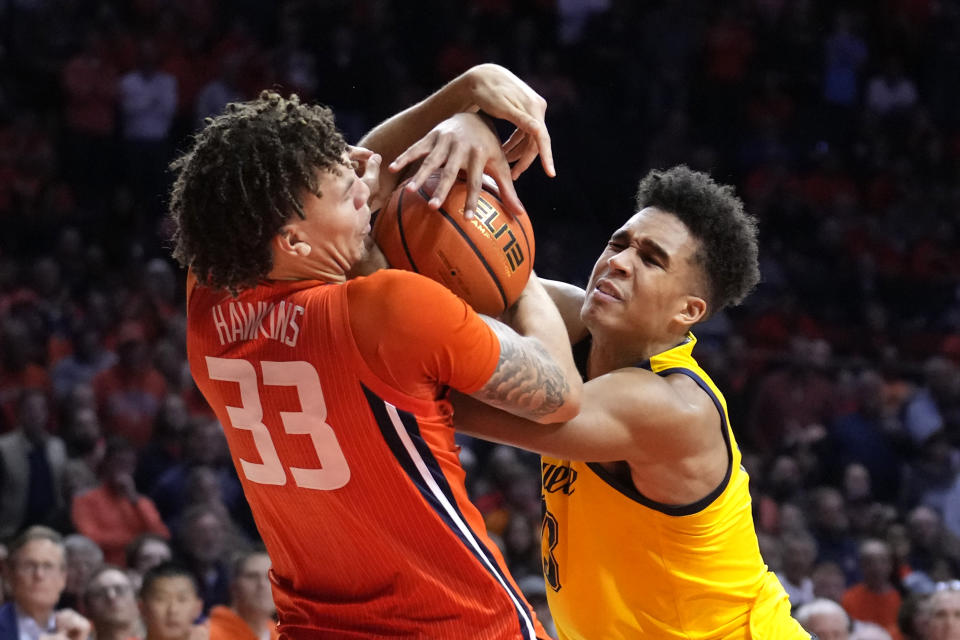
x=333 y=399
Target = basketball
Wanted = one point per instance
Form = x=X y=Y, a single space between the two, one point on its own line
x=486 y=260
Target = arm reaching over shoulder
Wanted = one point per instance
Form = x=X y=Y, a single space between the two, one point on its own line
x=487 y=87
x=535 y=377
x=501 y=94
x=464 y=139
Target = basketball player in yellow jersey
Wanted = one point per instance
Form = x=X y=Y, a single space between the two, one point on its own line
x=648 y=530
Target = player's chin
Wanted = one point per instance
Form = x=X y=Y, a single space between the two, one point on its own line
x=595 y=312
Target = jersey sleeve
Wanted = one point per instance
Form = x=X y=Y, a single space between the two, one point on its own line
x=417 y=335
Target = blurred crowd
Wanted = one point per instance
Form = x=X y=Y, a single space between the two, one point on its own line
x=836 y=122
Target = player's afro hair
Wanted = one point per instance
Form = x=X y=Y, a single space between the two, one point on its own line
x=239 y=183
x=715 y=216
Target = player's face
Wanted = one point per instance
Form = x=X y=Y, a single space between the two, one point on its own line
x=338 y=222
x=645 y=280
x=170 y=608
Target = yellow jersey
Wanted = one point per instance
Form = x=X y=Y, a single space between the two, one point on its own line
x=619 y=565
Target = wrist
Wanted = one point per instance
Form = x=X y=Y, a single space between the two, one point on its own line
x=460 y=92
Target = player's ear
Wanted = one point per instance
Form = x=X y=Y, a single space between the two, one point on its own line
x=288 y=241
x=694 y=310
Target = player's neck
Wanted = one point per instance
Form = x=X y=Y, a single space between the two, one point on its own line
x=609 y=354
x=287 y=268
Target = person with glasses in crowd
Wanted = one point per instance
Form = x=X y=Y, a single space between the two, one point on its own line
x=111 y=604
x=36 y=571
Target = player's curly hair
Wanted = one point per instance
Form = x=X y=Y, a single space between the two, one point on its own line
x=715 y=216
x=239 y=183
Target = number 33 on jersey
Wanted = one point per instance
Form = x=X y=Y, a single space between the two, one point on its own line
x=333 y=471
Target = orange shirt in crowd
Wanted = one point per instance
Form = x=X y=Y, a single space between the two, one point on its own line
x=113 y=521
x=869 y=606
x=225 y=624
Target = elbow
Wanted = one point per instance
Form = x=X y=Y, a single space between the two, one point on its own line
x=569 y=406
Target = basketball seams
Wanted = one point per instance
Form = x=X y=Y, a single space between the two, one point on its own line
x=416 y=242
x=480 y=257
x=473 y=247
x=403 y=236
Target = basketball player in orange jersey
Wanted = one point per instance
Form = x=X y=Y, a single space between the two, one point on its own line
x=648 y=531
x=333 y=393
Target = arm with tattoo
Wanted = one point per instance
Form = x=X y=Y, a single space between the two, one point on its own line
x=535 y=376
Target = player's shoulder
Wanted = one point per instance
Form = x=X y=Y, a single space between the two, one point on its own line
x=630 y=389
x=392 y=288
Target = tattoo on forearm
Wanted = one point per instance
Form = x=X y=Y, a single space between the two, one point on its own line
x=526 y=377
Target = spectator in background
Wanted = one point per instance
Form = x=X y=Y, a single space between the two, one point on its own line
x=144 y=553
x=829 y=581
x=521 y=545
x=165 y=448
x=205 y=445
x=80 y=367
x=250 y=615
x=170 y=359
x=89 y=82
x=111 y=605
x=793 y=404
x=204 y=546
x=36 y=571
x=85 y=449
x=114 y=513
x=862 y=436
x=831 y=528
x=83 y=436
x=932 y=551
x=148 y=103
x=130 y=392
x=891 y=92
x=169 y=604
x=911 y=618
x=158 y=295
x=862 y=510
x=219 y=91
x=930 y=474
x=18 y=372
x=925 y=409
x=951 y=508
x=203 y=490
x=31 y=466
x=825 y=618
x=875 y=599
x=845 y=53
x=799 y=553
x=869 y=631
x=84 y=558
x=898 y=540
x=943 y=612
